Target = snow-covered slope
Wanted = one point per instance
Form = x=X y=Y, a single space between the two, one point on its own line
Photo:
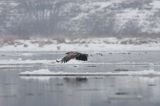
x=80 y=17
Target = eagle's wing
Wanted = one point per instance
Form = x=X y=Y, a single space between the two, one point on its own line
x=69 y=57
x=74 y=55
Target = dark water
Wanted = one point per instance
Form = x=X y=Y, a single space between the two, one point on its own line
x=80 y=91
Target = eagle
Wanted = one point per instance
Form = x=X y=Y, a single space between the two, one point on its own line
x=73 y=55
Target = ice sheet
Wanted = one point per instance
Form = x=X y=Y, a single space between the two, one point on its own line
x=46 y=72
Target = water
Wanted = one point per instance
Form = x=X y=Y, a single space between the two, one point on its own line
x=79 y=91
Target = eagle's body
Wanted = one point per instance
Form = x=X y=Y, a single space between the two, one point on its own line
x=74 y=55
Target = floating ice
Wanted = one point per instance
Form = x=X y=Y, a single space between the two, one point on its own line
x=41 y=71
x=73 y=61
x=27 y=54
x=46 y=72
x=42 y=78
x=20 y=61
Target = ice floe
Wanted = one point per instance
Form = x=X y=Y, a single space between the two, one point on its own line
x=46 y=72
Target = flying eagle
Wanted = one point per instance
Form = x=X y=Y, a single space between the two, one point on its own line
x=74 y=55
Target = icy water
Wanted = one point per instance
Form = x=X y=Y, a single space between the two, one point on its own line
x=16 y=90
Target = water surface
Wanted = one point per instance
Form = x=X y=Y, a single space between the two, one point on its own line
x=79 y=91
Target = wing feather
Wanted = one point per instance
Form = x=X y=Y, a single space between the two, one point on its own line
x=68 y=57
x=74 y=55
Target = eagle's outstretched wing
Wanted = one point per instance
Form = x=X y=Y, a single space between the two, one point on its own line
x=69 y=57
x=74 y=55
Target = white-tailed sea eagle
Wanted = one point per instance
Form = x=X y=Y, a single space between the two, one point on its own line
x=74 y=55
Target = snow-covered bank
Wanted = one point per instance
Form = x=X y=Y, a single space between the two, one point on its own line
x=94 y=44
x=84 y=47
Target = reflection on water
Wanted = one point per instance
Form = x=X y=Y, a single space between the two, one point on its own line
x=78 y=91
x=75 y=81
x=96 y=91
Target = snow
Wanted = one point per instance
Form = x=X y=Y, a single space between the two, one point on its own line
x=94 y=44
x=96 y=5
x=155 y=4
x=77 y=17
x=140 y=17
x=73 y=61
x=145 y=19
x=82 y=47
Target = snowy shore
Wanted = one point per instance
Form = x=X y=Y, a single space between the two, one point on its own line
x=97 y=44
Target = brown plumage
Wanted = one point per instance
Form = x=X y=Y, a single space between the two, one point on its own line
x=74 y=55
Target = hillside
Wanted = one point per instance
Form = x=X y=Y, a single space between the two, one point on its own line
x=80 y=18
